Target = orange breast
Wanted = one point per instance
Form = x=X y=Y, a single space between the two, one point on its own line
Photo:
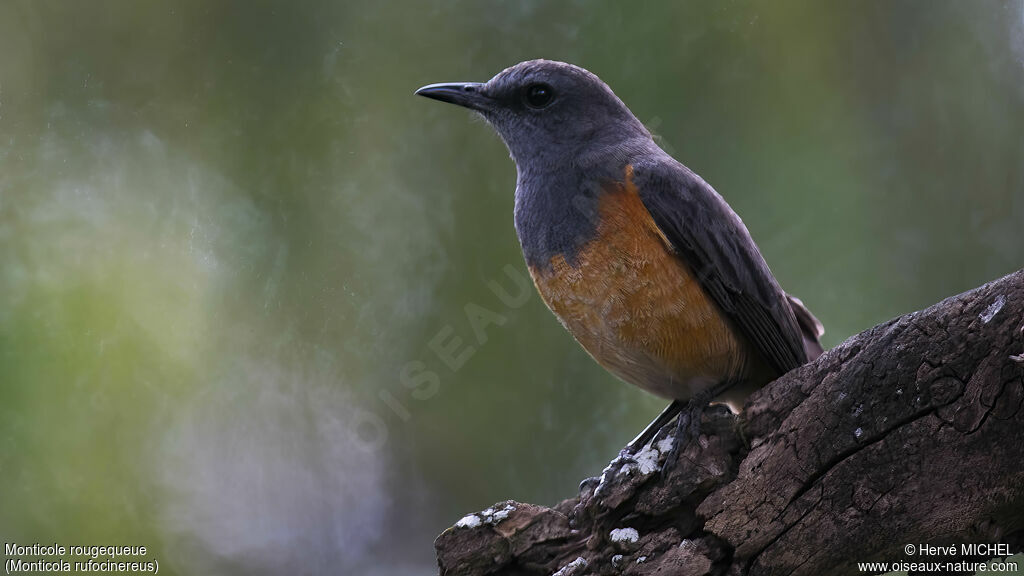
x=636 y=308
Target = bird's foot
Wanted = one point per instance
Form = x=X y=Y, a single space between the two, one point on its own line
x=649 y=433
x=687 y=431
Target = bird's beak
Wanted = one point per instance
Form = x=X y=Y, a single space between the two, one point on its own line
x=466 y=94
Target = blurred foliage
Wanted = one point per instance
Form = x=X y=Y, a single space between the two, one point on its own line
x=227 y=227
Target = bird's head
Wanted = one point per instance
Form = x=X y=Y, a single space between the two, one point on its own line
x=548 y=113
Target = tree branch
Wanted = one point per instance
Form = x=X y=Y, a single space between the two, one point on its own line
x=911 y=432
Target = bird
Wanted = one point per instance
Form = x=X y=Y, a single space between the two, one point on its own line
x=639 y=258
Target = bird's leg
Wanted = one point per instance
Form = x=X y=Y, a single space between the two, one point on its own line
x=655 y=426
x=689 y=422
x=687 y=430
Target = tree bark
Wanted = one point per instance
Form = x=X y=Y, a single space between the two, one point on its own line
x=911 y=433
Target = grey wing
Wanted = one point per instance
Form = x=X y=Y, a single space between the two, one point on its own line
x=715 y=244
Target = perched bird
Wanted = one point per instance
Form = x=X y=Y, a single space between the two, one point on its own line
x=639 y=258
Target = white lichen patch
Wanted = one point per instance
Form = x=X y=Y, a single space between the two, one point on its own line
x=992 y=309
x=647 y=460
x=629 y=535
x=489 y=517
x=468 y=521
x=572 y=568
x=858 y=432
x=502 y=514
x=665 y=445
x=641 y=560
x=644 y=462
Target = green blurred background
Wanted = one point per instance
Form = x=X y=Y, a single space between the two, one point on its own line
x=227 y=227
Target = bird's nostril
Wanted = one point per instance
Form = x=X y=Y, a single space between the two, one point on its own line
x=469 y=88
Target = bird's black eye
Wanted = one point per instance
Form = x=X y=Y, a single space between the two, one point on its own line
x=538 y=95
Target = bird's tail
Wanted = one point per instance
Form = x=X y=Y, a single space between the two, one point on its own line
x=810 y=328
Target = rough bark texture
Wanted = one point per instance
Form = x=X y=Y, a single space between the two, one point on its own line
x=908 y=433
